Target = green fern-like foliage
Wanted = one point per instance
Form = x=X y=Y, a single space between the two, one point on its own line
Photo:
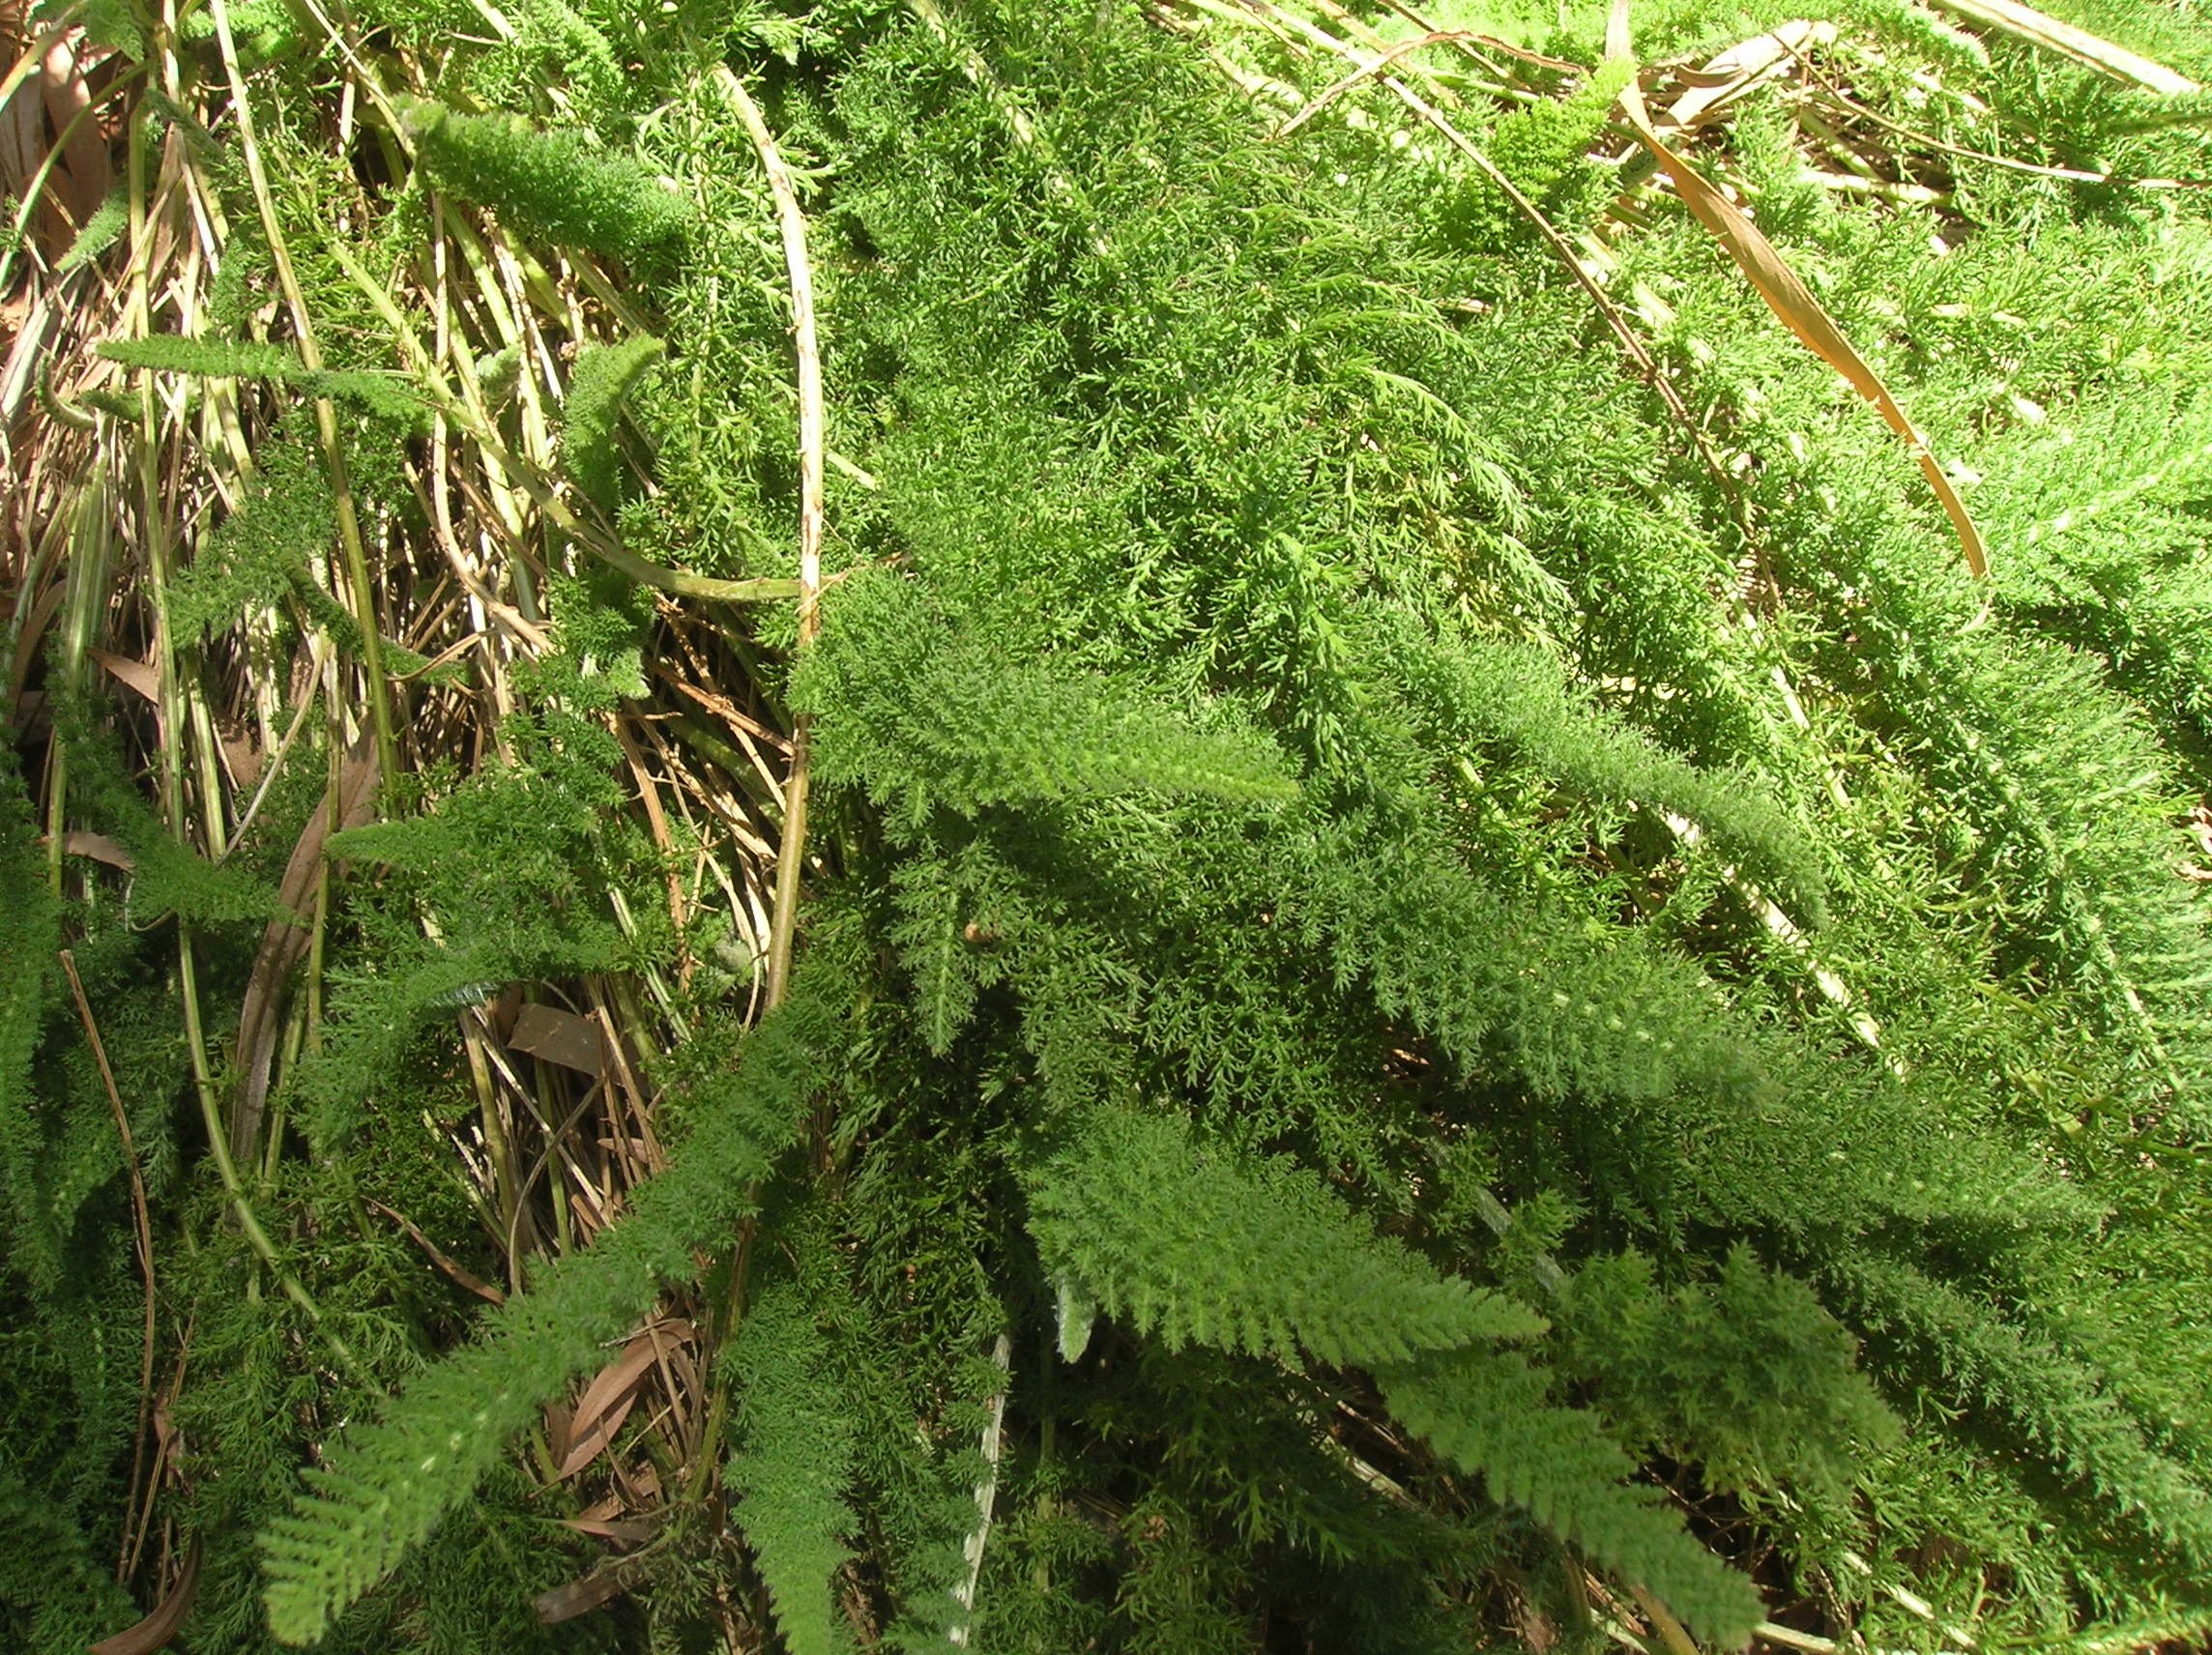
x=2090 y=500
x=109 y=220
x=790 y=1470
x=1747 y=1375
x=59 y=1595
x=1195 y=1248
x=1428 y=1001
x=263 y=550
x=918 y=715
x=518 y=870
x=168 y=877
x=378 y=395
x=1543 y=148
x=30 y=933
x=1201 y=1247
x=552 y=184
x=1489 y=1411
x=393 y=1480
x=2087 y=1429
x=604 y=375
x=1516 y=697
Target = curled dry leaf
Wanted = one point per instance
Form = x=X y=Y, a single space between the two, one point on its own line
x=1734 y=72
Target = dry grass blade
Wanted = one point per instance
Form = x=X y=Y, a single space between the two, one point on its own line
x=1631 y=343
x=1926 y=141
x=438 y=1256
x=1490 y=43
x=1435 y=37
x=609 y=1581
x=138 y=676
x=616 y=1530
x=1734 y=72
x=84 y=178
x=1673 y=1639
x=360 y=589
x=2037 y=28
x=101 y=509
x=1788 y=297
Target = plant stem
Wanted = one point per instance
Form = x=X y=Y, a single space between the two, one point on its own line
x=792 y=221
x=145 y=1241
x=362 y=589
x=226 y=1168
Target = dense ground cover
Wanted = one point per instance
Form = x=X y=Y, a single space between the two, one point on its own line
x=1158 y=829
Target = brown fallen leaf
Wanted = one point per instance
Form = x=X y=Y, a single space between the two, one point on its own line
x=132 y=675
x=607 y=1400
x=620 y=1530
x=640 y=1484
x=79 y=182
x=78 y=842
x=241 y=753
x=560 y=1037
x=610 y=1579
x=22 y=112
x=159 y=1627
x=51 y=136
x=285 y=943
x=1787 y=295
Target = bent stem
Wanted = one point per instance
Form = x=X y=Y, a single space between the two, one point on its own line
x=792 y=221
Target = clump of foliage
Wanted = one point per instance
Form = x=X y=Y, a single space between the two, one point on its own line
x=918 y=828
x=550 y=185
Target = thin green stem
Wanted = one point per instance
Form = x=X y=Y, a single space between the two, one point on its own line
x=362 y=589
x=226 y=1168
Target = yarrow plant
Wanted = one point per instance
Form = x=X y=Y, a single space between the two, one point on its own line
x=1198 y=829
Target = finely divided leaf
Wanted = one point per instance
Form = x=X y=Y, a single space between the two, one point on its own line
x=1488 y=1412
x=1207 y=1246
x=791 y=1470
